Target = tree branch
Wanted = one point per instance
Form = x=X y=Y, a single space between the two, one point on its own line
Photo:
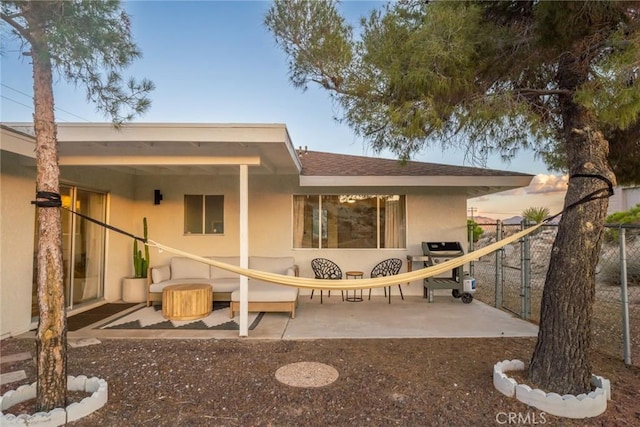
x=21 y=30
x=542 y=92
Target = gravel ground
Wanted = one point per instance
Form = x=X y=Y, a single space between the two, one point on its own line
x=410 y=382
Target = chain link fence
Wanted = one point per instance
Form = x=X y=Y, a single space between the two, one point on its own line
x=513 y=277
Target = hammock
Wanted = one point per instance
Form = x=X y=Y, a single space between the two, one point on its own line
x=49 y=199
x=343 y=284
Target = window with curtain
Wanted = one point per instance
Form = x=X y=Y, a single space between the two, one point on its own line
x=203 y=214
x=83 y=247
x=349 y=221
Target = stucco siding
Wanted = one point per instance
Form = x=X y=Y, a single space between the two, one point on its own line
x=17 y=219
x=433 y=214
x=269 y=214
x=18 y=228
x=623 y=199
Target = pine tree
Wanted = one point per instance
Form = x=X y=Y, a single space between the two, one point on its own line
x=87 y=43
x=559 y=78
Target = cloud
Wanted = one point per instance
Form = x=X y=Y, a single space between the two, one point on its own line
x=514 y=192
x=540 y=184
x=543 y=191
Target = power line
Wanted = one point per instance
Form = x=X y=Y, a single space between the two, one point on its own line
x=17 y=102
x=31 y=97
x=16 y=90
x=70 y=113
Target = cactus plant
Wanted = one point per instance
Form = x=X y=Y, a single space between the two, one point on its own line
x=140 y=263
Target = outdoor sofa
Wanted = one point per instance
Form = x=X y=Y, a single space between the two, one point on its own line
x=225 y=285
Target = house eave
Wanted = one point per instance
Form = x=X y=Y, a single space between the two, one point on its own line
x=17 y=142
x=506 y=182
x=174 y=132
x=157 y=160
x=188 y=148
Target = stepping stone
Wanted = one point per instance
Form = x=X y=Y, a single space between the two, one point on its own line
x=83 y=342
x=15 y=357
x=11 y=377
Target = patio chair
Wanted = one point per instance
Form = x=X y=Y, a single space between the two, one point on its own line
x=388 y=267
x=325 y=269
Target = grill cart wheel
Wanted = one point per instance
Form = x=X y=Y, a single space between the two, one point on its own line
x=467 y=298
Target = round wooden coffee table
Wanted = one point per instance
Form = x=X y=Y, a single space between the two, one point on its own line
x=187 y=301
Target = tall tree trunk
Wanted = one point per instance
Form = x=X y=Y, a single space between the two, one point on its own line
x=52 y=328
x=561 y=361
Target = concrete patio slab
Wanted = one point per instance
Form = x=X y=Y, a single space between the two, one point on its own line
x=413 y=317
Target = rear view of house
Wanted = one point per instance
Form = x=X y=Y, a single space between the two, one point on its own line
x=220 y=189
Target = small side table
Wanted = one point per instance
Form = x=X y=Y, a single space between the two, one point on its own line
x=354 y=275
x=187 y=301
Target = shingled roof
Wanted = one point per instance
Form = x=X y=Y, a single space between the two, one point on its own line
x=330 y=171
x=316 y=163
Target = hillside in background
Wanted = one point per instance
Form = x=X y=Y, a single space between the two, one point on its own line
x=483 y=220
x=509 y=221
x=487 y=220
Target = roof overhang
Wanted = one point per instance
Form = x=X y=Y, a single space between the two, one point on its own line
x=167 y=148
x=217 y=149
x=475 y=185
x=16 y=141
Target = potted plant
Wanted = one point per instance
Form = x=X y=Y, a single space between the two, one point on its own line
x=134 y=289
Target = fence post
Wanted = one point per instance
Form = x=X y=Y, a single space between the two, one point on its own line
x=624 y=296
x=498 y=290
x=471 y=249
x=525 y=273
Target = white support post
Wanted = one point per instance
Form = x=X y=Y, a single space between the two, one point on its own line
x=244 y=250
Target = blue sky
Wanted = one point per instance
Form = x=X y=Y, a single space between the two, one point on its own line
x=214 y=61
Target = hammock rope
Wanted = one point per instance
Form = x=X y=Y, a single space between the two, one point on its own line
x=45 y=199
x=379 y=282
x=344 y=284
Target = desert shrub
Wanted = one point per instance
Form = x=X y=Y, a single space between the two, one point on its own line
x=608 y=270
x=535 y=215
x=632 y=216
x=477 y=230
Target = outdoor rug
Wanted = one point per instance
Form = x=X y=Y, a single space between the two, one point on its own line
x=148 y=318
x=86 y=318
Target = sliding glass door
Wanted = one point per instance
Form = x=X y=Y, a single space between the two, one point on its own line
x=82 y=246
x=86 y=266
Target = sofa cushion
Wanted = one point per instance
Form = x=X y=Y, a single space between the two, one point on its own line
x=186 y=268
x=260 y=291
x=225 y=285
x=278 y=265
x=219 y=273
x=160 y=274
x=158 y=287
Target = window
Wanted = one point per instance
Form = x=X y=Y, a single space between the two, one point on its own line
x=203 y=214
x=349 y=221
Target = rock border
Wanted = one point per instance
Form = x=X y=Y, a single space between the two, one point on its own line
x=568 y=406
x=58 y=416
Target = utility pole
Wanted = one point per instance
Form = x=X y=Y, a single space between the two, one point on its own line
x=472 y=210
